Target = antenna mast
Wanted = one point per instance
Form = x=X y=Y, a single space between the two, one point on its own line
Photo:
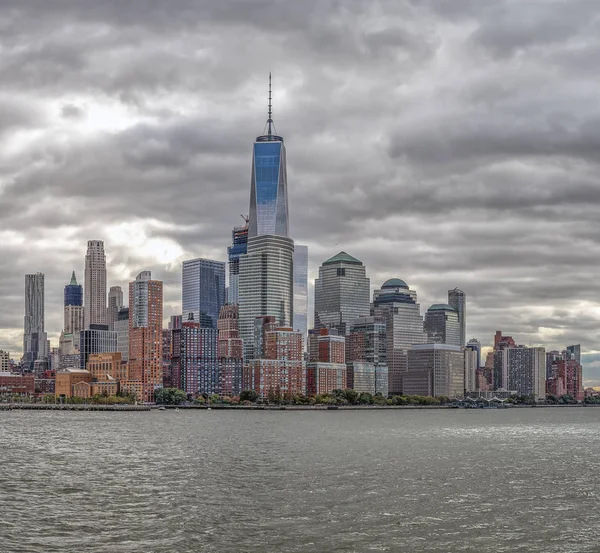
x=270 y=120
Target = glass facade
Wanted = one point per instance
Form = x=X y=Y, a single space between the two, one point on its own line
x=239 y=246
x=458 y=300
x=268 y=194
x=442 y=325
x=341 y=293
x=301 y=290
x=447 y=364
x=203 y=290
x=35 y=340
x=73 y=292
x=97 y=339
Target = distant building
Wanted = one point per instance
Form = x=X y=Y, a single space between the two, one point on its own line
x=301 y=290
x=397 y=303
x=203 y=290
x=575 y=352
x=475 y=345
x=66 y=379
x=4 y=361
x=522 y=369
x=35 y=339
x=435 y=370
x=457 y=299
x=281 y=371
x=95 y=285
x=230 y=351
x=239 y=246
x=145 y=334
x=367 y=378
x=121 y=327
x=266 y=285
x=96 y=339
x=566 y=378
x=341 y=293
x=16 y=384
x=471 y=369
x=329 y=372
x=73 y=315
x=442 y=325
x=115 y=304
x=367 y=340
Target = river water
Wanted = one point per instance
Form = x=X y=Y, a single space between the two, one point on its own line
x=338 y=481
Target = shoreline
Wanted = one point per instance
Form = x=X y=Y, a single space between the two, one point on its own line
x=139 y=408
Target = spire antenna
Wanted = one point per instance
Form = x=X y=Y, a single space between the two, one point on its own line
x=270 y=120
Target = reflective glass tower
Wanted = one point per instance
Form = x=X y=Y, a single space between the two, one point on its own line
x=203 y=290
x=239 y=246
x=268 y=192
x=301 y=290
x=458 y=300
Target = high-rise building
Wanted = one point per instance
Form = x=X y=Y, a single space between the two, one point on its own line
x=301 y=290
x=280 y=372
x=203 y=290
x=230 y=351
x=397 y=303
x=575 y=352
x=435 y=370
x=268 y=188
x=367 y=340
x=475 y=345
x=145 y=334
x=73 y=317
x=266 y=277
x=121 y=327
x=520 y=369
x=471 y=368
x=239 y=246
x=4 y=361
x=368 y=378
x=176 y=330
x=266 y=285
x=442 y=325
x=35 y=339
x=95 y=284
x=96 y=339
x=328 y=372
x=115 y=303
x=341 y=293
x=458 y=300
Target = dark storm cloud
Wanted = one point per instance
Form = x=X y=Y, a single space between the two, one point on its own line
x=447 y=143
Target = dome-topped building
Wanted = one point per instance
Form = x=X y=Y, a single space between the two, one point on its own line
x=394 y=283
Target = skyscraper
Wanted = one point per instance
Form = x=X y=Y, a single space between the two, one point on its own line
x=442 y=325
x=95 y=284
x=145 y=333
x=301 y=290
x=575 y=352
x=404 y=326
x=115 y=302
x=230 y=351
x=266 y=285
x=203 y=290
x=35 y=340
x=96 y=339
x=475 y=345
x=239 y=246
x=268 y=187
x=73 y=308
x=266 y=280
x=341 y=293
x=458 y=300
x=121 y=327
x=435 y=370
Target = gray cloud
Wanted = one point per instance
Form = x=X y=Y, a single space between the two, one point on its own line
x=447 y=143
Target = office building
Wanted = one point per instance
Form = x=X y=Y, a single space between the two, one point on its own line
x=145 y=334
x=95 y=284
x=266 y=285
x=367 y=378
x=239 y=246
x=520 y=369
x=442 y=325
x=301 y=290
x=230 y=351
x=457 y=299
x=435 y=370
x=397 y=304
x=341 y=293
x=471 y=368
x=203 y=290
x=4 y=361
x=268 y=188
x=328 y=372
x=367 y=340
x=35 y=339
x=96 y=339
x=475 y=345
x=574 y=352
x=121 y=327
x=73 y=318
x=115 y=303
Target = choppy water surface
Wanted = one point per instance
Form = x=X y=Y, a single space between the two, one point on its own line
x=190 y=481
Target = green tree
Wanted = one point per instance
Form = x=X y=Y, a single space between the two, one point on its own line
x=249 y=395
x=351 y=396
x=170 y=396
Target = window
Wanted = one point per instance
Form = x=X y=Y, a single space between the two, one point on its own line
x=341 y=271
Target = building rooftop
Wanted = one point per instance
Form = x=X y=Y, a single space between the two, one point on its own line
x=441 y=307
x=342 y=257
x=394 y=283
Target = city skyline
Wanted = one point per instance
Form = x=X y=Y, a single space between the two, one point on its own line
x=474 y=203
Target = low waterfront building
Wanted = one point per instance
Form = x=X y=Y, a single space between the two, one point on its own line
x=67 y=378
x=16 y=384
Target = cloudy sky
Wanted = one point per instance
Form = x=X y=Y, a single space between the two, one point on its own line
x=446 y=143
